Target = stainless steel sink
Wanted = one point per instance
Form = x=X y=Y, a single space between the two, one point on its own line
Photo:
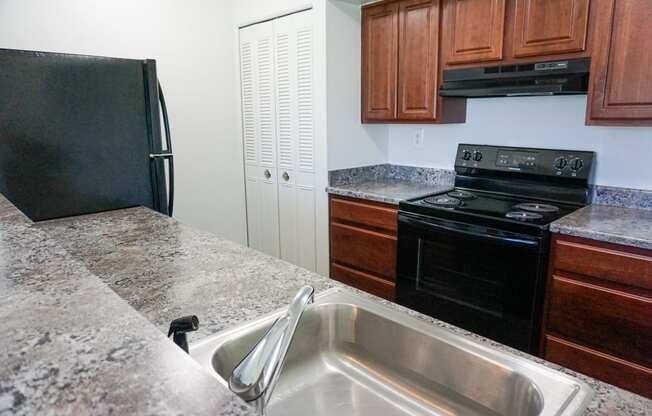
x=353 y=356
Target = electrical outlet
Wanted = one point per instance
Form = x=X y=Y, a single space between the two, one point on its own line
x=419 y=136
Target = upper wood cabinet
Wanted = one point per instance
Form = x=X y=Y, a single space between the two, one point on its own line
x=475 y=30
x=418 y=66
x=543 y=27
x=401 y=67
x=379 y=63
x=621 y=86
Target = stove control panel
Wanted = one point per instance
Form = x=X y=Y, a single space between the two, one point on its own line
x=548 y=162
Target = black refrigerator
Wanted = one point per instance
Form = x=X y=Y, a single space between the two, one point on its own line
x=82 y=134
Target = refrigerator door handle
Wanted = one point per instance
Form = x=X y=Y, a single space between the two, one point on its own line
x=167 y=153
x=161 y=156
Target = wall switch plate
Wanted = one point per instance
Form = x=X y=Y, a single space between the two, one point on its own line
x=419 y=138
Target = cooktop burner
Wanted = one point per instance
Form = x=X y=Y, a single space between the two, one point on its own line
x=489 y=207
x=459 y=194
x=523 y=215
x=443 y=201
x=536 y=207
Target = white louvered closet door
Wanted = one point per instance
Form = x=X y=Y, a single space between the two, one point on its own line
x=293 y=37
x=259 y=133
x=277 y=64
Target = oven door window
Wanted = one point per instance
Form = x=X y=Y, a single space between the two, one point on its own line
x=472 y=277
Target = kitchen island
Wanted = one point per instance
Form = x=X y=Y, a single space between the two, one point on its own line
x=85 y=305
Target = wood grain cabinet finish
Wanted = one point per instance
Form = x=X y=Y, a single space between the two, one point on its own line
x=544 y=27
x=598 y=318
x=401 y=65
x=621 y=86
x=363 y=245
x=380 y=61
x=418 y=73
x=475 y=30
x=598 y=365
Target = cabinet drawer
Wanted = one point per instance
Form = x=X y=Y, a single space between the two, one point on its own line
x=605 y=262
x=598 y=365
x=369 y=214
x=363 y=249
x=363 y=281
x=608 y=320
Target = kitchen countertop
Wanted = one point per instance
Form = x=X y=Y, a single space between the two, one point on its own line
x=626 y=226
x=71 y=345
x=388 y=190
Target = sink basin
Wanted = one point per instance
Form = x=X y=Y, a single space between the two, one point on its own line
x=354 y=356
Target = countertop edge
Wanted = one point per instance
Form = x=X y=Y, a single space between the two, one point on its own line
x=333 y=190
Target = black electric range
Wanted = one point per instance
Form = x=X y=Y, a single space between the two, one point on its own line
x=477 y=256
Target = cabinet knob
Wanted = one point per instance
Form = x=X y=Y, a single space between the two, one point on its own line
x=267 y=174
x=286 y=176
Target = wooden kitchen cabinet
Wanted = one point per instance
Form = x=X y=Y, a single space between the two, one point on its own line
x=363 y=245
x=621 y=87
x=418 y=59
x=544 y=27
x=598 y=315
x=401 y=65
x=499 y=32
x=379 y=61
x=475 y=30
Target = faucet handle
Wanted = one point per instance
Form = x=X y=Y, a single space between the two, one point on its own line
x=255 y=376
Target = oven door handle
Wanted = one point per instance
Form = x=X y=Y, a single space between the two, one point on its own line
x=511 y=239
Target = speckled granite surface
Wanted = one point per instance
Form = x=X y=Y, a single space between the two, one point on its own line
x=389 y=183
x=165 y=269
x=622 y=197
x=390 y=191
x=618 y=225
x=388 y=171
x=73 y=346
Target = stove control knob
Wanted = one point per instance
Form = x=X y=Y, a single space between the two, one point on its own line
x=576 y=165
x=477 y=156
x=561 y=163
x=466 y=155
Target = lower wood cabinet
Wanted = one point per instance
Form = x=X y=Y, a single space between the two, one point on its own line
x=599 y=312
x=363 y=245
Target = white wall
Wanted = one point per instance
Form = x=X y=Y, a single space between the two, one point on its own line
x=623 y=154
x=193 y=42
x=350 y=143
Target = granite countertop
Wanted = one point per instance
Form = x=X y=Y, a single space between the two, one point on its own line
x=391 y=191
x=72 y=346
x=85 y=302
x=627 y=226
x=388 y=183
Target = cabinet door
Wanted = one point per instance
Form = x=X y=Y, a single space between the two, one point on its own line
x=543 y=27
x=475 y=30
x=418 y=68
x=621 y=89
x=295 y=131
x=379 y=62
x=259 y=133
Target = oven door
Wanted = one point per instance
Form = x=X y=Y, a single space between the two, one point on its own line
x=483 y=280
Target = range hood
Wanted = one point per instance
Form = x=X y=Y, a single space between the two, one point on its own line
x=542 y=78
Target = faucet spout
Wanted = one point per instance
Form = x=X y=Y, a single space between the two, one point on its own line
x=256 y=376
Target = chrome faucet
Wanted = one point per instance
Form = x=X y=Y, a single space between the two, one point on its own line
x=256 y=376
